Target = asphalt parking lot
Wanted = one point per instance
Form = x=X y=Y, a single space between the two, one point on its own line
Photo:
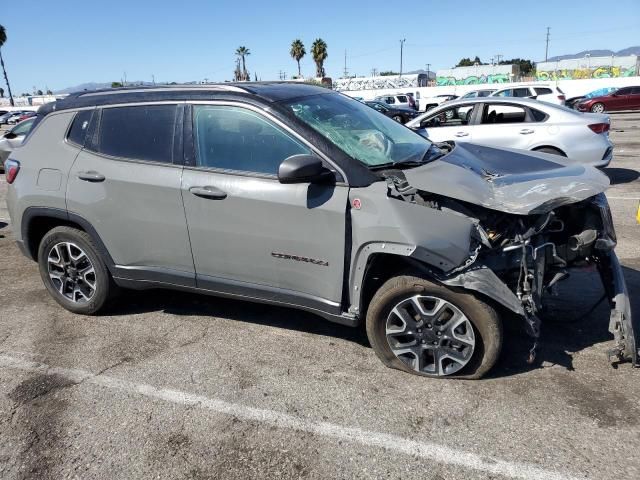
x=172 y=385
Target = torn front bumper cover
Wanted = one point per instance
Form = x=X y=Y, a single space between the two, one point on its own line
x=621 y=323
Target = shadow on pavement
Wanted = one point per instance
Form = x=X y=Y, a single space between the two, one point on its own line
x=621 y=175
x=2 y=226
x=568 y=325
x=182 y=303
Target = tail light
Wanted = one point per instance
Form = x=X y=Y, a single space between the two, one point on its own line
x=11 y=169
x=562 y=98
x=599 y=127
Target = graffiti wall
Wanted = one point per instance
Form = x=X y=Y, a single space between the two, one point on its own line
x=477 y=75
x=588 y=67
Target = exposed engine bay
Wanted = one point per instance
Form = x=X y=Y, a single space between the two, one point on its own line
x=517 y=259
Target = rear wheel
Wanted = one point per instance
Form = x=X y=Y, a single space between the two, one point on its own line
x=427 y=329
x=550 y=150
x=73 y=271
x=597 y=108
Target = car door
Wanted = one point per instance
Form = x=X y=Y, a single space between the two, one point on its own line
x=125 y=183
x=450 y=123
x=505 y=125
x=619 y=100
x=250 y=234
x=634 y=98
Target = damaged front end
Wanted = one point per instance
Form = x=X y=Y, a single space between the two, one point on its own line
x=518 y=258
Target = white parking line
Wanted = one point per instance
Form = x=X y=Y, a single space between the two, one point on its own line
x=609 y=197
x=430 y=451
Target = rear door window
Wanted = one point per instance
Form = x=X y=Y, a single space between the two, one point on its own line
x=141 y=132
x=402 y=99
x=500 y=114
x=505 y=93
x=521 y=92
x=543 y=91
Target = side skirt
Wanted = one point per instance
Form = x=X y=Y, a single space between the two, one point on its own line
x=137 y=278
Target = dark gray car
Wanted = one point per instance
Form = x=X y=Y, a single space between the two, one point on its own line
x=295 y=195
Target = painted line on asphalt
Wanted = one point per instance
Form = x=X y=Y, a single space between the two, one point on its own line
x=609 y=197
x=431 y=451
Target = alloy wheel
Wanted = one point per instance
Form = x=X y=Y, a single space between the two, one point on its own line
x=71 y=272
x=430 y=335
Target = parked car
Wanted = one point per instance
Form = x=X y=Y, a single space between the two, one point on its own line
x=4 y=118
x=543 y=92
x=478 y=93
x=433 y=102
x=573 y=101
x=523 y=124
x=627 y=98
x=13 y=138
x=296 y=195
x=397 y=101
x=26 y=115
x=17 y=115
x=401 y=115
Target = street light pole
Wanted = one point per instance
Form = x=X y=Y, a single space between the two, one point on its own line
x=401 y=45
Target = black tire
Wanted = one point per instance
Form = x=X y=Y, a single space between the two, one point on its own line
x=105 y=288
x=598 y=108
x=550 y=150
x=397 y=118
x=487 y=326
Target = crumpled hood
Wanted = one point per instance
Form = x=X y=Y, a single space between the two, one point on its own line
x=508 y=180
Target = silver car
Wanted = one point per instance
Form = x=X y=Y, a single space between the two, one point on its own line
x=522 y=124
x=299 y=196
x=13 y=139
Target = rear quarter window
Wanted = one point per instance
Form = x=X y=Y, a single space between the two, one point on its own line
x=543 y=91
x=537 y=115
x=79 y=127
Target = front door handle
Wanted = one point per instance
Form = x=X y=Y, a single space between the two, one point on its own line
x=91 y=176
x=210 y=192
x=526 y=131
x=462 y=134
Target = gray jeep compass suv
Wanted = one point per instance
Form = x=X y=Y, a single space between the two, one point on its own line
x=296 y=195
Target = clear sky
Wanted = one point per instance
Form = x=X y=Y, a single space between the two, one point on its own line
x=62 y=43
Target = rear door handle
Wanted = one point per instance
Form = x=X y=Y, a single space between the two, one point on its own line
x=462 y=134
x=210 y=192
x=526 y=131
x=91 y=176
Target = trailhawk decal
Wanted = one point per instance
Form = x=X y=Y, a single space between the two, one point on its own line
x=298 y=258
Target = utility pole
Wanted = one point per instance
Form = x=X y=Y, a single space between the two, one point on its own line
x=546 y=50
x=498 y=57
x=153 y=79
x=124 y=84
x=346 y=72
x=374 y=72
x=401 y=46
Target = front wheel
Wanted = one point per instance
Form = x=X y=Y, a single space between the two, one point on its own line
x=427 y=329
x=73 y=271
x=397 y=118
x=597 y=108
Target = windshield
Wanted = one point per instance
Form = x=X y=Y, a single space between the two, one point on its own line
x=359 y=130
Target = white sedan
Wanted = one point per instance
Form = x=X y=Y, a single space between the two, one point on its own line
x=523 y=124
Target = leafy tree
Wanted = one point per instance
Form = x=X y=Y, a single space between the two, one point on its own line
x=319 y=53
x=526 y=66
x=116 y=84
x=39 y=92
x=388 y=73
x=1 y=92
x=3 y=39
x=49 y=92
x=467 y=62
x=297 y=52
x=242 y=53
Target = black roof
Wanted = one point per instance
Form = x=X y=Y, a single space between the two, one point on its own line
x=265 y=91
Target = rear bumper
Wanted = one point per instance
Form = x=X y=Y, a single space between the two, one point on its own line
x=621 y=323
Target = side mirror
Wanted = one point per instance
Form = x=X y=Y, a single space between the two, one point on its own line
x=303 y=169
x=10 y=135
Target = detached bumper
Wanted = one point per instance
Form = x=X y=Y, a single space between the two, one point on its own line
x=621 y=323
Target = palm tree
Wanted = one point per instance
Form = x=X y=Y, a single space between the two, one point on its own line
x=3 y=38
x=297 y=52
x=243 y=52
x=319 y=52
